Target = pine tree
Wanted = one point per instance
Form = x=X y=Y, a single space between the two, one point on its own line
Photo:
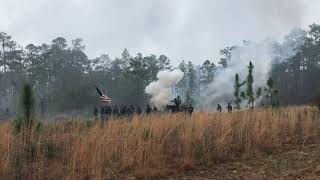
x=270 y=91
x=258 y=93
x=208 y=70
x=192 y=80
x=226 y=56
x=237 y=92
x=4 y=43
x=249 y=91
x=182 y=86
x=189 y=99
x=27 y=101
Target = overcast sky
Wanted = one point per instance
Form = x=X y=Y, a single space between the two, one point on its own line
x=182 y=29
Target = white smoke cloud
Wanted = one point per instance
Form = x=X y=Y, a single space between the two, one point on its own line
x=262 y=55
x=160 y=90
x=221 y=89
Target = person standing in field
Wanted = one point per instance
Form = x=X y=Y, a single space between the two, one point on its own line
x=101 y=113
x=108 y=112
x=115 y=111
x=139 y=110
x=95 y=113
x=155 y=109
x=148 y=110
x=219 y=108
x=229 y=108
x=178 y=102
x=190 y=109
x=132 y=109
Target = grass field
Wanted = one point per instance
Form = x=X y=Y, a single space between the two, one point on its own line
x=164 y=145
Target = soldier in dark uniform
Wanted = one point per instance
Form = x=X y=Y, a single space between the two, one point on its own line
x=108 y=112
x=115 y=111
x=177 y=102
x=95 y=113
x=155 y=109
x=229 y=108
x=139 y=110
x=122 y=110
x=101 y=113
x=105 y=109
x=190 y=109
x=132 y=110
x=219 y=108
x=148 y=110
x=127 y=110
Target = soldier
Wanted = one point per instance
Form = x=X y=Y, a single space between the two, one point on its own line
x=190 y=109
x=132 y=110
x=105 y=111
x=229 y=108
x=155 y=109
x=108 y=111
x=177 y=102
x=219 y=108
x=139 y=110
x=101 y=113
x=148 y=110
x=116 y=111
x=95 y=113
x=122 y=110
x=127 y=110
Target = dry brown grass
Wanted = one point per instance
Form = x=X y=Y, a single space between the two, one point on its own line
x=154 y=146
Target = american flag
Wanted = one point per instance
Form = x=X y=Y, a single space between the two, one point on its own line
x=103 y=98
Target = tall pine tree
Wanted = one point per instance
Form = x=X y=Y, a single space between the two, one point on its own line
x=249 y=91
x=237 y=91
x=270 y=91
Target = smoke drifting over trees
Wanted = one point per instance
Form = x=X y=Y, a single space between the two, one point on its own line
x=161 y=90
x=262 y=55
x=63 y=77
x=63 y=73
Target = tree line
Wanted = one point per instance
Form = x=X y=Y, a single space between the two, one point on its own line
x=63 y=76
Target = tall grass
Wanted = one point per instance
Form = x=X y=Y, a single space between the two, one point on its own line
x=151 y=146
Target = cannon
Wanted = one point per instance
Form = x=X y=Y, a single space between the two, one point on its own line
x=175 y=105
x=172 y=107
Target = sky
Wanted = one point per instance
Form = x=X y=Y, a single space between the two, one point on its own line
x=192 y=30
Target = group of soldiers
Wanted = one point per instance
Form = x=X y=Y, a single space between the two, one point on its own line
x=123 y=111
x=229 y=108
x=128 y=110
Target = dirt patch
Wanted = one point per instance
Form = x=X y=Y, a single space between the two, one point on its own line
x=292 y=162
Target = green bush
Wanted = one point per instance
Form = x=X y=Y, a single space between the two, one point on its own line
x=26 y=118
x=51 y=150
x=27 y=105
x=31 y=150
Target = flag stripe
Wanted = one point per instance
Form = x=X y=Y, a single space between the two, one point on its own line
x=105 y=98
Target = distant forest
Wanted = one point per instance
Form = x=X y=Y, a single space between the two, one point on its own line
x=63 y=77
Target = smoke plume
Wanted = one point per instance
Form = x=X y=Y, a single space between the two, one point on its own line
x=221 y=89
x=262 y=55
x=160 y=90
